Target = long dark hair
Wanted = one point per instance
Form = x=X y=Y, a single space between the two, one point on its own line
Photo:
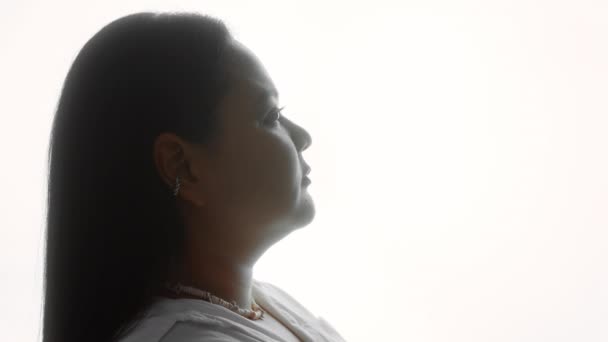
x=112 y=224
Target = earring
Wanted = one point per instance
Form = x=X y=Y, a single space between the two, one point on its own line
x=176 y=186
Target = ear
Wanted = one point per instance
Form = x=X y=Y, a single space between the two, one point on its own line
x=172 y=157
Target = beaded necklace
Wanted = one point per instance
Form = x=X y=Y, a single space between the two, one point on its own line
x=255 y=314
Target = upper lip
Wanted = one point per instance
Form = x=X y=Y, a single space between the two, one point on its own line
x=306 y=171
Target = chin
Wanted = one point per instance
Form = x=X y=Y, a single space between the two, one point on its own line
x=299 y=213
x=305 y=211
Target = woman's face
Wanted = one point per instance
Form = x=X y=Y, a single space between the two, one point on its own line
x=256 y=183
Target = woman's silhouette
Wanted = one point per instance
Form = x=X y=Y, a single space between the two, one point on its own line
x=171 y=164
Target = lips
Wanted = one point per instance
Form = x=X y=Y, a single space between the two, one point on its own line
x=306 y=181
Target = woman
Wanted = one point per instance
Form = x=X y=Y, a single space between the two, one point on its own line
x=172 y=170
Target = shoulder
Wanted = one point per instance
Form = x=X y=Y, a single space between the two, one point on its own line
x=188 y=328
x=192 y=331
x=187 y=321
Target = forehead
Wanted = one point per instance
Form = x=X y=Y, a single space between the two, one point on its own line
x=248 y=74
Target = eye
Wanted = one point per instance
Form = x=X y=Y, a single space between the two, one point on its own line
x=273 y=118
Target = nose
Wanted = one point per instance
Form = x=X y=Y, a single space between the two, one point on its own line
x=299 y=135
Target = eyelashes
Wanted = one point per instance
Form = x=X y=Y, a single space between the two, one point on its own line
x=276 y=116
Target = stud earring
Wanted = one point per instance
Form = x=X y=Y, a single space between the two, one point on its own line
x=176 y=190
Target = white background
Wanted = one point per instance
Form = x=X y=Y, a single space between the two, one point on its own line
x=459 y=159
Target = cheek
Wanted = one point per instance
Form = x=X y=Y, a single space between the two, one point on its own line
x=264 y=175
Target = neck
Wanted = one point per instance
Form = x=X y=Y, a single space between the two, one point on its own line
x=219 y=263
x=220 y=275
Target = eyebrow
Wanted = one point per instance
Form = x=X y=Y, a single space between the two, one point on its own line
x=265 y=92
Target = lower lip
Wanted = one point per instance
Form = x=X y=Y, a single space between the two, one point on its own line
x=306 y=181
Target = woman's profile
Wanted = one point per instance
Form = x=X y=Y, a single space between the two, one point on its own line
x=172 y=169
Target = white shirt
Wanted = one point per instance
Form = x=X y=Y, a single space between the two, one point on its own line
x=194 y=320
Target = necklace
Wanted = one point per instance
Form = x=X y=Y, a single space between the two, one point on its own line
x=255 y=314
